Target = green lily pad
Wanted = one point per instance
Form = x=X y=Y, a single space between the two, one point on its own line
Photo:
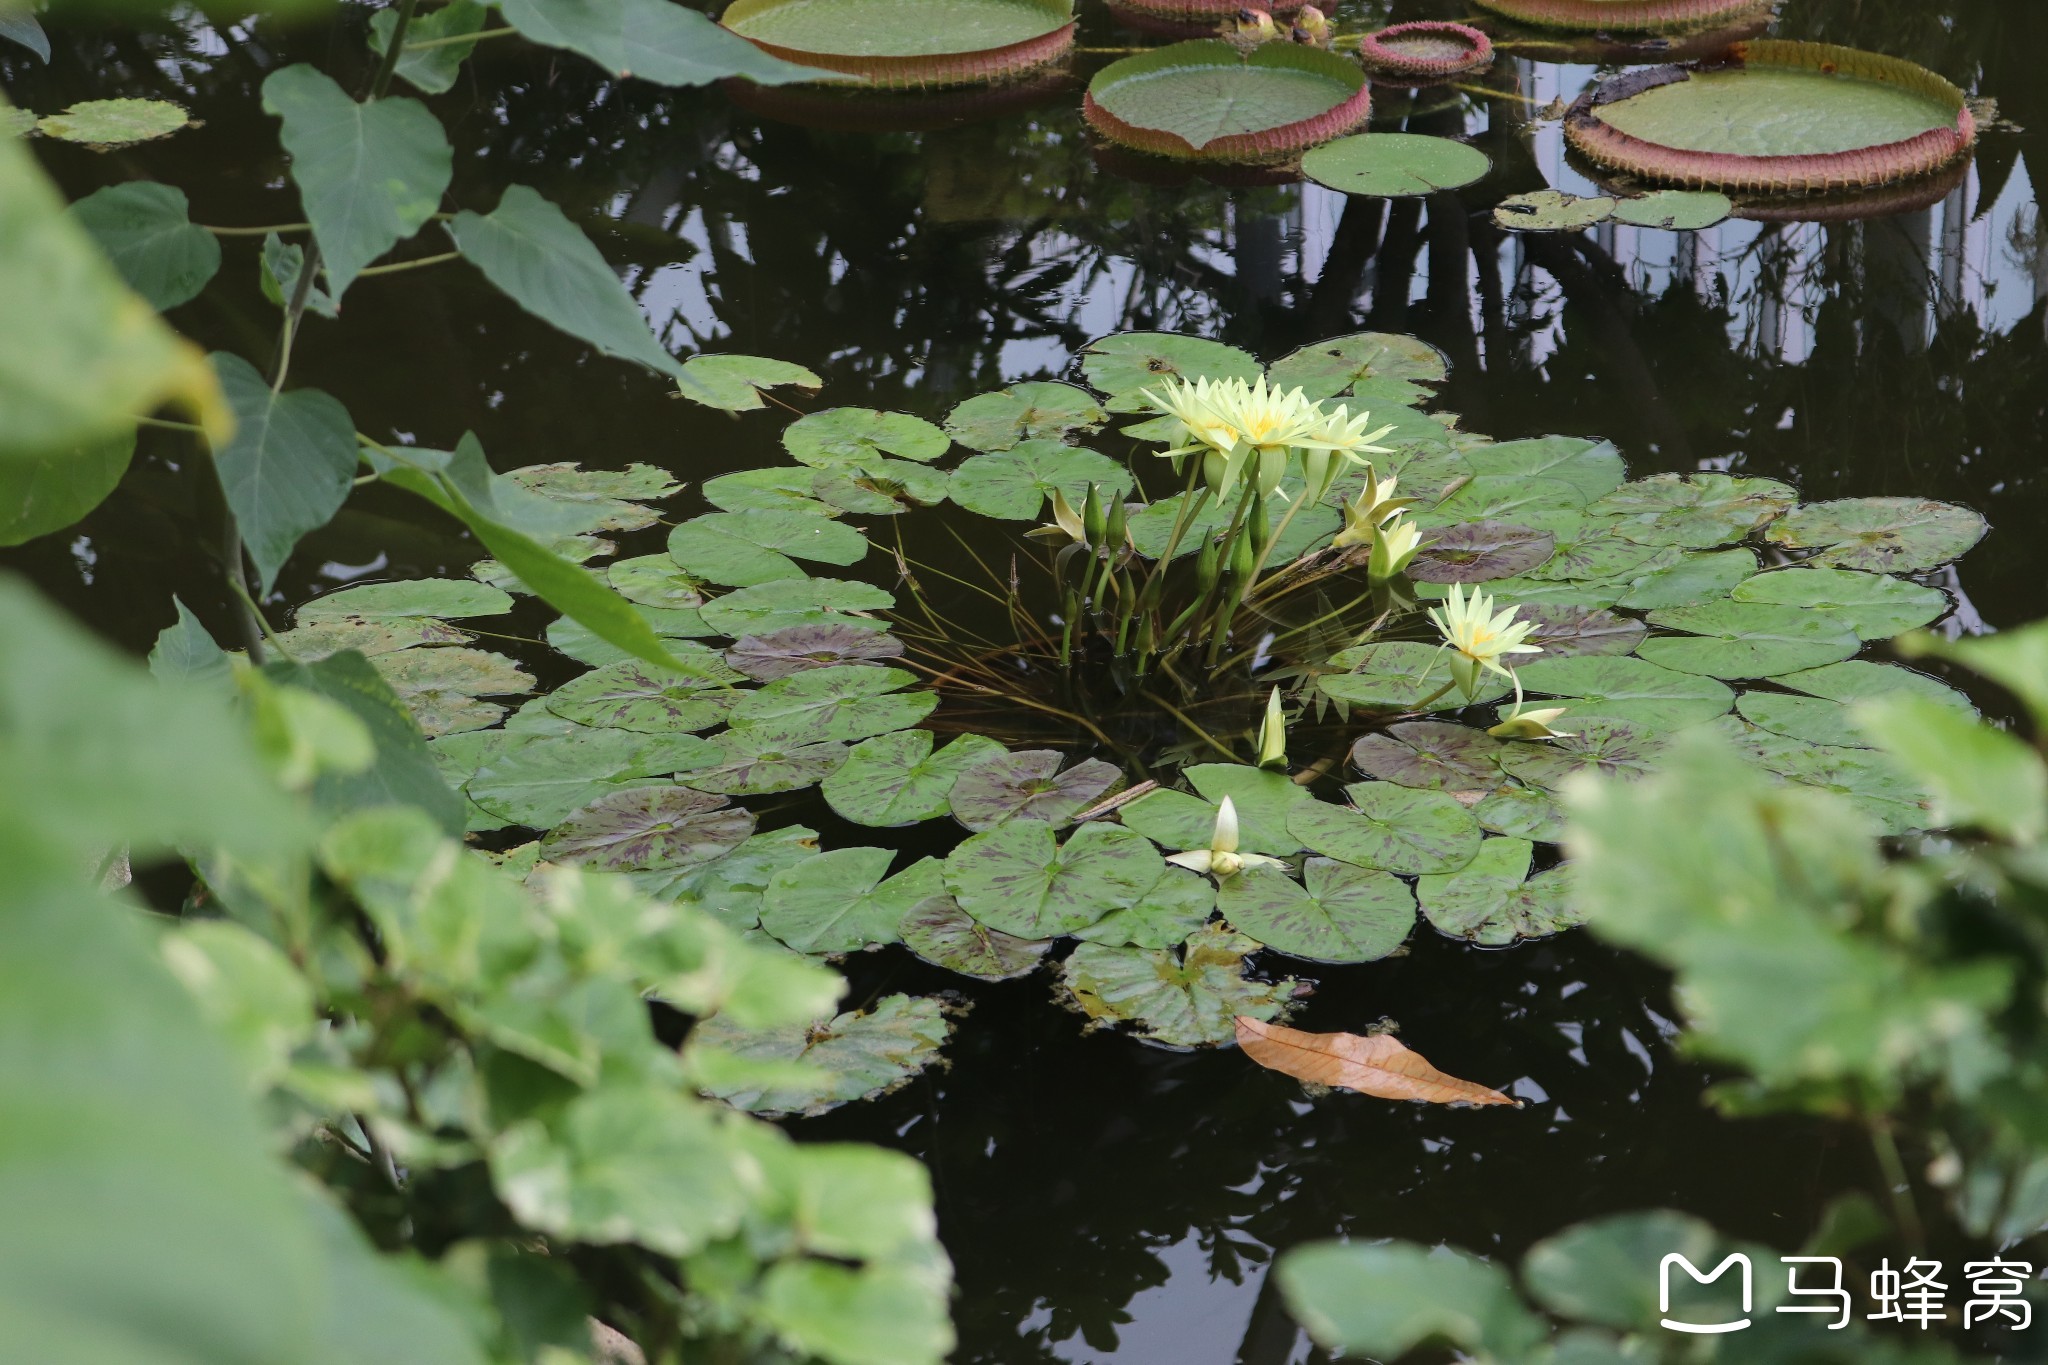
x=1882 y=535
x=1392 y=828
x=1124 y=365
x=784 y=602
x=1611 y=748
x=612 y=497
x=1871 y=781
x=676 y=626
x=1521 y=813
x=943 y=934
x=1150 y=528
x=843 y=437
x=1263 y=800
x=1693 y=577
x=1478 y=551
x=1185 y=998
x=1595 y=468
x=858 y=1056
x=1396 y=676
x=735 y=382
x=1339 y=366
x=649 y=829
x=1551 y=211
x=844 y=702
x=1495 y=902
x=106 y=124
x=1876 y=606
x=455 y=670
x=1536 y=503
x=1674 y=210
x=1029 y=785
x=1012 y=485
x=1748 y=639
x=1019 y=879
x=417 y=597
x=1813 y=719
x=889 y=44
x=540 y=780
x=1430 y=756
x=1394 y=165
x=631 y=695
x=1343 y=914
x=316 y=641
x=880 y=487
x=757 y=763
x=1562 y=632
x=896 y=779
x=798 y=649
x=1173 y=907
x=1696 y=511
x=655 y=581
x=1024 y=412
x=775 y=489
x=729 y=889
x=1208 y=101
x=742 y=549
x=1591 y=550
x=1616 y=687
x=1861 y=680
x=16 y=122
x=844 y=901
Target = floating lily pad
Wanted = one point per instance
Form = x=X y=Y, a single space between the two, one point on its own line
x=896 y=779
x=943 y=934
x=1337 y=367
x=1748 y=639
x=845 y=702
x=730 y=888
x=1150 y=528
x=539 y=780
x=735 y=382
x=1871 y=781
x=777 y=488
x=839 y=438
x=1207 y=101
x=1521 y=813
x=1695 y=511
x=1875 y=606
x=462 y=672
x=107 y=124
x=1394 y=165
x=655 y=581
x=858 y=1055
x=1775 y=117
x=16 y=122
x=1397 y=676
x=1183 y=999
x=1430 y=756
x=612 y=497
x=1024 y=412
x=1562 y=632
x=317 y=640
x=797 y=649
x=1392 y=828
x=758 y=763
x=1495 y=902
x=649 y=829
x=1514 y=498
x=1013 y=484
x=1172 y=908
x=631 y=695
x=1127 y=363
x=1694 y=576
x=909 y=43
x=1883 y=535
x=1594 y=468
x=1611 y=748
x=1424 y=49
x=1861 y=680
x=1813 y=719
x=1018 y=878
x=784 y=602
x=880 y=487
x=1657 y=17
x=439 y=597
x=1343 y=914
x=1263 y=801
x=1615 y=687
x=1478 y=551
x=844 y=901
x=1592 y=550
x=1029 y=785
x=1551 y=211
x=742 y=549
x=676 y=626
x=1674 y=210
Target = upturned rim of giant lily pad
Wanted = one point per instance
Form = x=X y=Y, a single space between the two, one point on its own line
x=1264 y=146
x=982 y=66
x=1625 y=16
x=1394 y=51
x=1878 y=164
x=1183 y=15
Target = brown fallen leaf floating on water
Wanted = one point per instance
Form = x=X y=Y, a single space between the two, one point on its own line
x=1378 y=1065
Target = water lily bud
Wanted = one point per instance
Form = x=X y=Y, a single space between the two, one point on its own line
x=1209 y=563
x=1272 y=468
x=1092 y=515
x=1116 y=531
x=1273 y=734
x=1242 y=556
x=1465 y=672
x=1393 y=549
x=1319 y=468
x=1258 y=525
x=1216 y=469
x=1530 y=725
x=1312 y=23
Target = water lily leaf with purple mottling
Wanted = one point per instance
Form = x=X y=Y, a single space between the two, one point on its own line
x=798 y=649
x=636 y=696
x=1263 y=801
x=943 y=934
x=1697 y=511
x=844 y=901
x=1332 y=369
x=1611 y=748
x=1591 y=551
x=1689 y=577
x=896 y=779
x=1029 y=785
x=784 y=602
x=1185 y=998
x=1478 y=551
x=1431 y=756
x=1883 y=535
x=1594 y=468
x=649 y=829
x=845 y=702
x=1018 y=878
x=755 y=763
x=1617 y=687
x=654 y=581
x=1534 y=504
x=857 y=1055
x=1391 y=828
x=1813 y=719
x=1494 y=901
x=1522 y=813
x=1564 y=631
x=1397 y=675
x=1342 y=913
x=729 y=889
x=331 y=635
x=1173 y=907
x=537 y=780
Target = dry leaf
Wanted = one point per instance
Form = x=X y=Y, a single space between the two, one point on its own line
x=1379 y=1065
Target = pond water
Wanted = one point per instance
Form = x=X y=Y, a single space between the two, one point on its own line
x=1105 y=1201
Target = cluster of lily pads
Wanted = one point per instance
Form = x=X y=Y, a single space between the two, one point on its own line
x=1655 y=605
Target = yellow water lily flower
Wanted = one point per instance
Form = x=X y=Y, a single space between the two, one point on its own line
x=1393 y=546
x=1373 y=508
x=1341 y=440
x=1221 y=858
x=1480 y=638
x=1520 y=724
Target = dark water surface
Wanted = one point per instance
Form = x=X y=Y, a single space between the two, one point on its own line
x=1105 y=1201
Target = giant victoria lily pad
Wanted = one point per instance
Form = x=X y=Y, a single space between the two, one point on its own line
x=1775 y=117
x=1624 y=16
x=1206 y=101
x=1424 y=49
x=909 y=43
